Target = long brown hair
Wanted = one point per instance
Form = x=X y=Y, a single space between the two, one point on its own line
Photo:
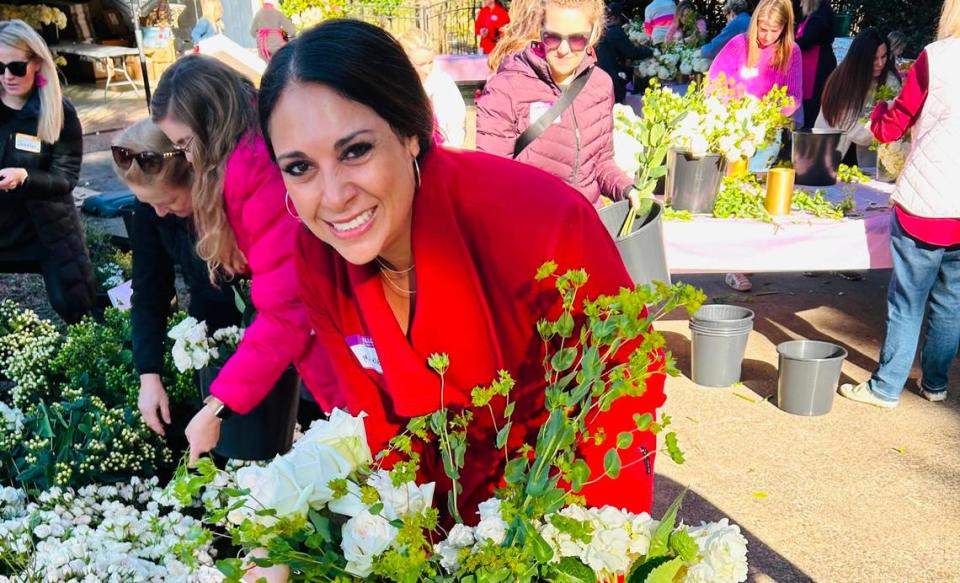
x=526 y=18
x=218 y=104
x=778 y=13
x=850 y=83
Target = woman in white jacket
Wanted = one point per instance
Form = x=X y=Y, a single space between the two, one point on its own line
x=448 y=106
x=851 y=90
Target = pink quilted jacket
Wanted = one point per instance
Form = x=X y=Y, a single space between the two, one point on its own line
x=577 y=147
x=280 y=333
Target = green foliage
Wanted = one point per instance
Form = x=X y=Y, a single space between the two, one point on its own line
x=852 y=174
x=742 y=196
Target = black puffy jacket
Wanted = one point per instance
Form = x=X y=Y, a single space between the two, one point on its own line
x=46 y=196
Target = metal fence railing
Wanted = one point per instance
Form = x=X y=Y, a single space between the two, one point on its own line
x=449 y=23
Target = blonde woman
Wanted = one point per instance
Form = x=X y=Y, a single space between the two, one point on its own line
x=39 y=166
x=815 y=39
x=163 y=239
x=448 y=106
x=577 y=146
x=925 y=227
x=244 y=227
x=755 y=62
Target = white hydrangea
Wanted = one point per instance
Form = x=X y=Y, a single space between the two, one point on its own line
x=724 y=554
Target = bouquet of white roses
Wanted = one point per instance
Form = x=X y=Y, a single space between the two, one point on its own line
x=329 y=509
x=672 y=60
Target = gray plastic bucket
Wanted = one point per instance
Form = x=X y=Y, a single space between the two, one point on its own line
x=719 y=336
x=642 y=251
x=809 y=375
x=723 y=317
x=693 y=183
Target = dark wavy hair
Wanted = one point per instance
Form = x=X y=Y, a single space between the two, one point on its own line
x=850 y=83
x=361 y=62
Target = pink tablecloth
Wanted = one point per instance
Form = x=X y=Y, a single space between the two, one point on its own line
x=464 y=68
x=794 y=243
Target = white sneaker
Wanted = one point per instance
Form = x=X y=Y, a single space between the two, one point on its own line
x=932 y=396
x=738 y=281
x=862 y=393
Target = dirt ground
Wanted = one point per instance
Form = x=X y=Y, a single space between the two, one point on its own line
x=859 y=494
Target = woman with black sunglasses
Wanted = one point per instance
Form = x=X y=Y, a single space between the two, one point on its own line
x=162 y=237
x=41 y=148
x=577 y=146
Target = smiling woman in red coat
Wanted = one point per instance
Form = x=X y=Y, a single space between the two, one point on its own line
x=406 y=252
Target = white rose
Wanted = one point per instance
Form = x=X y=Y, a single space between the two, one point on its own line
x=489 y=508
x=343 y=432
x=365 y=537
x=182 y=329
x=460 y=536
x=449 y=556
x=276 y=487
x=181 y=358
x=492 y=527
x=316 y=464
x=409 y=498
x=349 y=504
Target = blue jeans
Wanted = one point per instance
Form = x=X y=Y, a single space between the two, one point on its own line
x=922 y=275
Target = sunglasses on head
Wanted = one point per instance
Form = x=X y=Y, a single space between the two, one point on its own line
x=150 y=162
x=552 y=40
x=16 y=68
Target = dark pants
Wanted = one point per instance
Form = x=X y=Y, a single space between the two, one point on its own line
x=32 y=257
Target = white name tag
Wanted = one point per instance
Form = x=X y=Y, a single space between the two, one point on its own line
x=362 y=348
x=27 y=143
x=538 y=108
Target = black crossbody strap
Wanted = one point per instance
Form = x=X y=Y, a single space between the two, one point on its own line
x=543 y=122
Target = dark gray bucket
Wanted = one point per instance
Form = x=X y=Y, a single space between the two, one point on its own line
x=719 y=336
x=267 y=430
x=809 y=375
x=642 y=251
x=693 y=183
x=815 y=156
x=866 y=158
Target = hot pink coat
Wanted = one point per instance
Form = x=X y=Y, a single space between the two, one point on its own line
x=280 y=333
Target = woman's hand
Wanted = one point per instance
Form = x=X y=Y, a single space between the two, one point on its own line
x=11 y=178
x=275 y=574
x=153 y=403
x=203 y=433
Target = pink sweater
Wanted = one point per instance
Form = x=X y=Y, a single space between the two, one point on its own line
x=732 y=62
x=280 y=333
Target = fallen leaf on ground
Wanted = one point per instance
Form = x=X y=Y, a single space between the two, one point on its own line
x=746 y=398
x=760 y=495
x=900 y=450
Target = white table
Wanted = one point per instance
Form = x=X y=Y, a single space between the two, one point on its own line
x=798 y=242
x=113 y=58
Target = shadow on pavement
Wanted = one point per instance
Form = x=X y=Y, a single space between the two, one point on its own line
x=765 y=563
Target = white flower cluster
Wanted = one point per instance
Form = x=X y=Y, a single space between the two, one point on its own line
x=11 y=418
x=463 y=539
x=626 y=147
x=127 y=532
x=110 y=274
x=722 y=131
x=333 y=449
x=723 y=551
x=191 y=347
x=617 y=538
x=669 y=61
x=636 y=34
x=25 y=351
x=608 y=540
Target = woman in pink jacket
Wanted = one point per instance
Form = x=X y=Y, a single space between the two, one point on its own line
x=578 y=146
x=243 y=228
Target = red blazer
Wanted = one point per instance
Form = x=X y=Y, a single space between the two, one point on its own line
x=476 y=253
